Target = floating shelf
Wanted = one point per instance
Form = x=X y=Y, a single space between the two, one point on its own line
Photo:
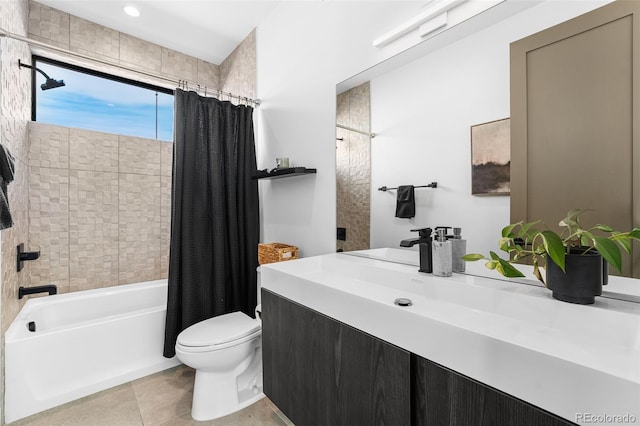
x=283 y=173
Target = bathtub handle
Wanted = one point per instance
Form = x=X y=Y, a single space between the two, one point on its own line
x=24 y=256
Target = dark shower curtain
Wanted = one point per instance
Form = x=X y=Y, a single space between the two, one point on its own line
x=215 y=226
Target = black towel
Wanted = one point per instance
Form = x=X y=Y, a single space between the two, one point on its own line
x=6 y=176
x=406 y=202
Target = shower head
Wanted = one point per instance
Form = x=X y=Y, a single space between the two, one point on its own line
x=50 y=83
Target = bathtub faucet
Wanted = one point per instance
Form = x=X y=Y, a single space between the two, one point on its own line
x=24 y=256
x=25 y=291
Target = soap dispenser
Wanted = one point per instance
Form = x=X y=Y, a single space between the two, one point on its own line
x=441 y=254
x=458 y=249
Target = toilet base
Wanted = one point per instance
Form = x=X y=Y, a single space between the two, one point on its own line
x=217 y=395
x=212 y=399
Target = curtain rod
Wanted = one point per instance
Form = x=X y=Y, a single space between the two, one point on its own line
x=176 y=83
x=351 y=129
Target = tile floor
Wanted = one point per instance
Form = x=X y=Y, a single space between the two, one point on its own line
x=161 y=399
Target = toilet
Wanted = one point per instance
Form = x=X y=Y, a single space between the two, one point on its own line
x=226 y=352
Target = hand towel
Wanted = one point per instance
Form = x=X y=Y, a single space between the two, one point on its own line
x=7 y=170
x=405 y=202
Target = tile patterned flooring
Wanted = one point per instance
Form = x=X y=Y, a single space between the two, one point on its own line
x=161 y=399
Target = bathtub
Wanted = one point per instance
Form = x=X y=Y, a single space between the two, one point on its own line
x=83 y=342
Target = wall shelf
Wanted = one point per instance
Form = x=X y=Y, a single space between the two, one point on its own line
x=282 y=173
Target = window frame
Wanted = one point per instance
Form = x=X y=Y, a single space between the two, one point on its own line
x=35 y=59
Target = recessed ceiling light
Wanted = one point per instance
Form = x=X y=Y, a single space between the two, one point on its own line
x=131 y=11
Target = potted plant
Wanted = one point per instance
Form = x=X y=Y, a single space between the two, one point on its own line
x=573 y=259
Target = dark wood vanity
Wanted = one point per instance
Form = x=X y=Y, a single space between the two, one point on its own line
x=319 y=371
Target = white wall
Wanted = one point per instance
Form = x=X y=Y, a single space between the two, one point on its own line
x=422 y=113
x=305 y=48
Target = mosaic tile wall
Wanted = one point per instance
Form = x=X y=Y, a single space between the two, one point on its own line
x=353 y=167
x=100 y=203
x=15 y=111
x=70 y=32
x=238 y=70
x=100 y=207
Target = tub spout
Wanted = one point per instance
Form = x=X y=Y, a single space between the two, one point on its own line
x=25 y=291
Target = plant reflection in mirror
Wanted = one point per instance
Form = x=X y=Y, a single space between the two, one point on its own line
x=532 y=240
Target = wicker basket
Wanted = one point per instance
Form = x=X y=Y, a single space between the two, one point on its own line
x=276 y=252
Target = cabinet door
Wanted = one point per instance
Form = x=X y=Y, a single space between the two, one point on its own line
x=319 y=371
x=575 y=122
x=445 y=398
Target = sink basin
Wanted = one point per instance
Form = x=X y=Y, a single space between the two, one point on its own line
x=562 y=357
x=471 y=297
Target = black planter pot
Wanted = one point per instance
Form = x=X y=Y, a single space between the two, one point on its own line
x=582 y=280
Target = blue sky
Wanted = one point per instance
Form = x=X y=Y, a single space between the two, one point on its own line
x=94 y=103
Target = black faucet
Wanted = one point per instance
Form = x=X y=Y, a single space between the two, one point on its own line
x=25 y=291
x=424 y=239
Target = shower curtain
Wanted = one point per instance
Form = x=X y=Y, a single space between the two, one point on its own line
x=215 y=226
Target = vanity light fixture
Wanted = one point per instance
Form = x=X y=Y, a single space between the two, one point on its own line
x=131 y=11
x=434 y=9
x=433 y=24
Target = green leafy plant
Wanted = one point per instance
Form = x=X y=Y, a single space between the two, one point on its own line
x=533 y=240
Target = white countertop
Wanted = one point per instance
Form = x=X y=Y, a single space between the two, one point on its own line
x=565 y=358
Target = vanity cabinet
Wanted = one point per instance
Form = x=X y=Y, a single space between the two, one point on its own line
x=444 y=397
x=319 y=371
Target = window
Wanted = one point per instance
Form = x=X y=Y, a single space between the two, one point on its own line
x=93 y=100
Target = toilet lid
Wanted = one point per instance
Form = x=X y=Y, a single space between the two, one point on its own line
x=219 y=330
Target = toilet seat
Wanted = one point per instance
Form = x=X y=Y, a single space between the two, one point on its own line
x=218 y=333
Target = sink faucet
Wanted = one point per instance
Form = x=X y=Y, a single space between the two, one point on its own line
x=424 y=239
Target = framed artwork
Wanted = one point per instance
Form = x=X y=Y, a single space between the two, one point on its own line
x=491 y=158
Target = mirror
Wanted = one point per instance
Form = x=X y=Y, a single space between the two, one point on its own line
x=421 y=112
x=422 y=136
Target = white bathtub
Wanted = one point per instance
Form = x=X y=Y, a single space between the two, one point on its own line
x=84 y=342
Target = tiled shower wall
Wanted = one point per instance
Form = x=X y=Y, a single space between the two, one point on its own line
x=69 y=32
x=100 y=207
x=238 y=70
x=100 y=203
x=15 y=112
x=353 y=167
